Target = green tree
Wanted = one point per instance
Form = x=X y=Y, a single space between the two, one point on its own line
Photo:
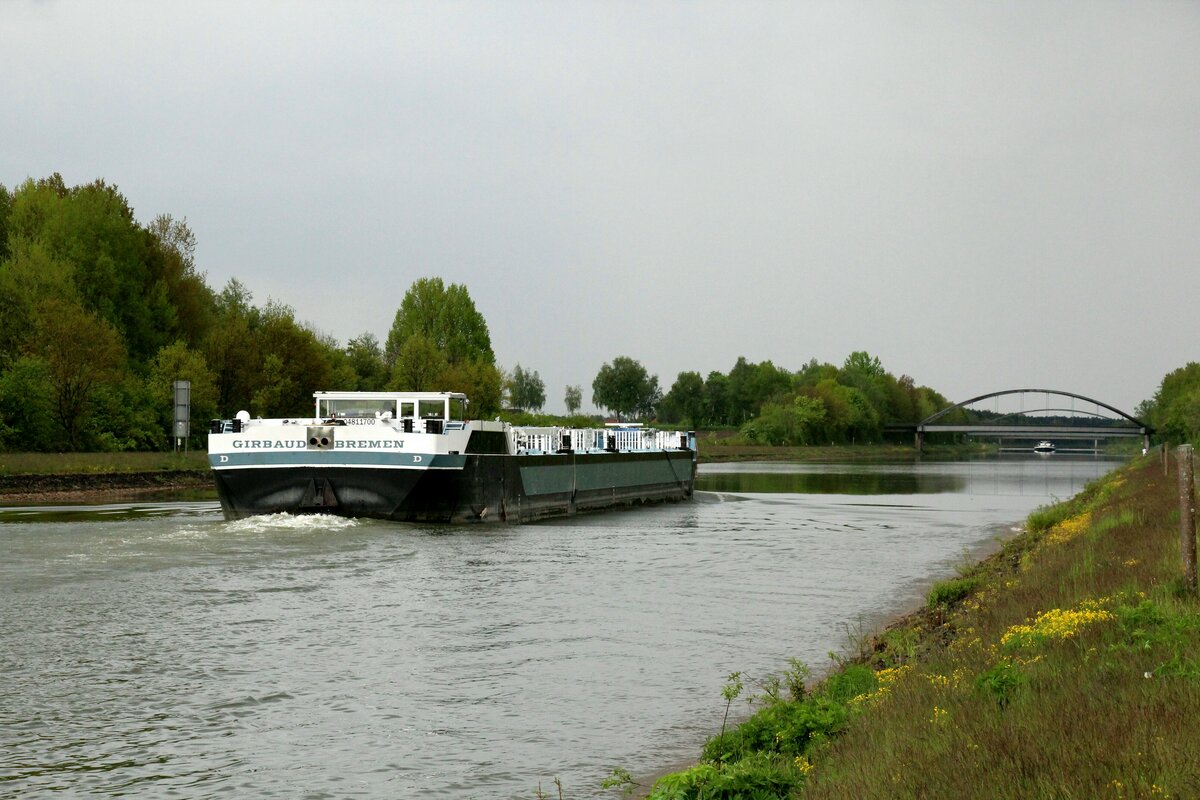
x=814 y=372
x=123 y=416
x=418 y=367
x=29 y=275
x=799 y=420
x=526 y=390
x=864 y=372
x=304 y=363
x=178 y=362
x=625 y=388
x=5 y=212
x=276 y=389
x=342 y=375
x=440 y=342
x=142 y=280
x=446 y=316
x=740 y=392
x=716 y=399
x=864 y=363
x=81 y=351
x=191 y=301
x=481 y=382
x=238 y=347
x=685 y=401
x=26 y=413
x=573 y=398
x=927 y=402
x=1175 y=408
x=228 y=348
x=366 y=357
x=112 y=258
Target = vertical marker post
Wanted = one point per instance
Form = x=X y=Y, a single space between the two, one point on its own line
x=183 y=413
x=1187 y=515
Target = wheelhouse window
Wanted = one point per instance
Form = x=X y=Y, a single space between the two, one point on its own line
x=432 y=409
x=358 y=407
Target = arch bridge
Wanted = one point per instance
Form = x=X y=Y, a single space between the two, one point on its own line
x=1100 y=426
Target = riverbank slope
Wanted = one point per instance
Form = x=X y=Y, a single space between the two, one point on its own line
x=1066 y=665
x=98 y=477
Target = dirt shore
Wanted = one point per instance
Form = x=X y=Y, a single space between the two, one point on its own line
x=97 y=487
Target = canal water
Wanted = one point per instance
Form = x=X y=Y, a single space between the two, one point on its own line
x=156 y=650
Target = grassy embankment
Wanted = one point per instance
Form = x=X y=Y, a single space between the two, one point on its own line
x=94 y=477
x=1067 y=665
x=99 y=463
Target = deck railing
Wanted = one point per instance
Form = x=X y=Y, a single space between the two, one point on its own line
x=594 y=440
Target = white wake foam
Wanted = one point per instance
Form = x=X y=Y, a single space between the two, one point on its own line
x=291 y=522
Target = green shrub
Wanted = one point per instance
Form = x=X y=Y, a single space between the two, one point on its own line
x=787 y=728
x=1000 y=682
x=756 y=777
x=854 y=680
x=946 y=593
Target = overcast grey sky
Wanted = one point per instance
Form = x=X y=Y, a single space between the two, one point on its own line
x=985 y=195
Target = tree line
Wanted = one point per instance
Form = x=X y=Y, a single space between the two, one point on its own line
x=820 y=403
x=1174 y=410
x=102 y=313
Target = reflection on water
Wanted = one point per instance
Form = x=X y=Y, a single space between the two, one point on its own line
x=1003 y=475
x=814 y=481
x=158 y=650
x=108 y=512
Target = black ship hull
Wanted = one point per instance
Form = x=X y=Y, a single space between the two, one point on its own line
x=463 y=488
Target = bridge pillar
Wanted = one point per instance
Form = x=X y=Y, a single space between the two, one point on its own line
x=920 y=440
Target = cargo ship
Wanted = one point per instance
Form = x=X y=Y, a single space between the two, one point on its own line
x=416 y=457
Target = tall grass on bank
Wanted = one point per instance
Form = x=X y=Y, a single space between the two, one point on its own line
x=96 y=463
x=1068 y=665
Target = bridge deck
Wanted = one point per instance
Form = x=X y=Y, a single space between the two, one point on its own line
x=1038 y=431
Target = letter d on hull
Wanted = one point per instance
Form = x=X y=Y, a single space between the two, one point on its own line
x=416 y=459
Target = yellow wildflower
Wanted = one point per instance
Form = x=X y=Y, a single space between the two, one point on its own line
x=1057 y=624
x=886 y=677
x=1068 y=529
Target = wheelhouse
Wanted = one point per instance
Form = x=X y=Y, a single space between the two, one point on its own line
x=391 y=405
